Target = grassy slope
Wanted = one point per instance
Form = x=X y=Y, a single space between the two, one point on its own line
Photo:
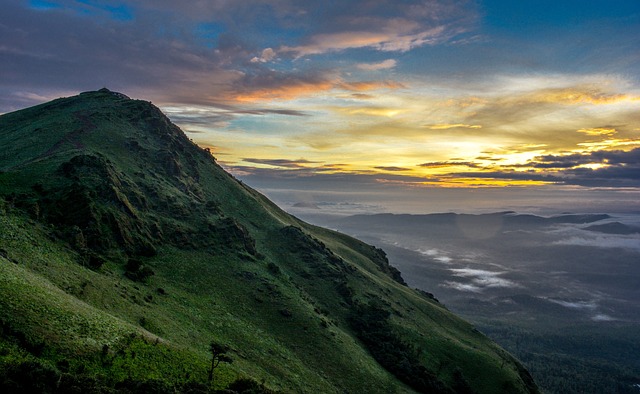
x=282 y=310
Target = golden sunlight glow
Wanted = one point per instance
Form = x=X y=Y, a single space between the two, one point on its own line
x=593 y=166
x=432 y=137
x=512 y=156
x=288 y=92
x=605 y=131
x=611 y=144
x=579 y=96
x=373 y=111
x=368 y=85
x=298 y=89
x=467 y=182
x=495 y=182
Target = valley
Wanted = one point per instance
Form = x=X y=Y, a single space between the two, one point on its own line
x=560 y=292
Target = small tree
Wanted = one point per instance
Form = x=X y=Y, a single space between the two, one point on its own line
x=218 y=355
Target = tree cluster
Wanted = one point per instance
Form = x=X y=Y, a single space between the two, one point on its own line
x=371 y=324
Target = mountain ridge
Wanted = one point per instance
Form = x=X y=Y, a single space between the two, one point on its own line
x=113 y=220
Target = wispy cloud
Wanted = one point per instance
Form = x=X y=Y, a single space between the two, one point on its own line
x=445 y=126
x=392 y=168
x=586 y=305
x=602 y=317
x=383 y=65
x=436 y=254
x=599 y=131
x=480 y=280
x=462 y=286
x=267 y=55
x=271 y=85
x=388 y=39
x=449 y=164
x=370 y=110
x=387 y=26
x=302 y=163
x=630 y=242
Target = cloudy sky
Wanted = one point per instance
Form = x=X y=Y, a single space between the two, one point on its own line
x=374 y=94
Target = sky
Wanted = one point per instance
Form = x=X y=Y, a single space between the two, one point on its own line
x=427 y=104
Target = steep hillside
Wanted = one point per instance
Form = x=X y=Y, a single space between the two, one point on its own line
x=125 y=250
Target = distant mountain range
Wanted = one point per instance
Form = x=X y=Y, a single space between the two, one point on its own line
x=505 y=219
x=614 y=228
x=128 y=256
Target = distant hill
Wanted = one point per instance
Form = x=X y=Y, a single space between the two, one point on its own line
x=614 y=228
x=125 y=251
x=473 y=226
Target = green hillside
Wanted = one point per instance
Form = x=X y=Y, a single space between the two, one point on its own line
x=125 y=250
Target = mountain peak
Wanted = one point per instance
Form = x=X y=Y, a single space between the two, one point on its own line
x=107 y=91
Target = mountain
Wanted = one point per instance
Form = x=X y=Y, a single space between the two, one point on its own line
x=128 y=255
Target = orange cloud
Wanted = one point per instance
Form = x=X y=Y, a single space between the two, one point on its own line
x=284 y=92
x=369 y=85
x=337 y=41
x=292 y=89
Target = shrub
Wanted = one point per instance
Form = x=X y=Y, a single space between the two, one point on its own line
x=28 y=377
x=137 y=271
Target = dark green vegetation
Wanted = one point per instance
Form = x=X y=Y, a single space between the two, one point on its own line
x=573 y=358
x=125 y=251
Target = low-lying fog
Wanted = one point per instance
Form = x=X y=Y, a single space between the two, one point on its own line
x=568 y=266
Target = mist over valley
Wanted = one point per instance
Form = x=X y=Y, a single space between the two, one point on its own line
x=561 y=292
